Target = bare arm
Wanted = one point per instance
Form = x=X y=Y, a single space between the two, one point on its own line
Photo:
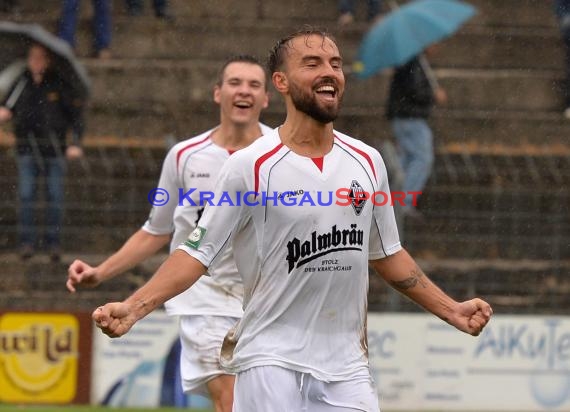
x=402 y=272
x=179 y=272
x=136 y=249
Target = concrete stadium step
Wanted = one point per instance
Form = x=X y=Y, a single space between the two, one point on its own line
x=101 y=235
x=461 y=239
x=539 y=286
x=495 y=198
x=119 y=82
x=113 y=174
x=464 y=129
x=522 y=286
x=192 y=38
x=490 y=12
x=459 y=127
x=463 y=235
x=127 y=164
x=144 y=134
x=497 y=48
x=39 y=284
x=500 y=90
x=470 y=121
x=486 y=172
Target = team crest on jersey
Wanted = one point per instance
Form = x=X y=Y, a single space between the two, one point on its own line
x=195 y=237
x=357 y=197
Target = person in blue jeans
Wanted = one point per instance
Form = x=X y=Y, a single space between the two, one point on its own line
x=410 y=101
x=562 y=11
x=42 y=109
x=346 y=10
x=101 y=25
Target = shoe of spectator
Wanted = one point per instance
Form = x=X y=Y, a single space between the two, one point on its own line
x=164 y=16
x=55 y=255
x=26 y=252
x=134 y=12
x=567 y=113
x=104 y=54
x=345 y=19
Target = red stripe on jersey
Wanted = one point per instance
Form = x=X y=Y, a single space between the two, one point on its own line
x=363 y=154
x=258 y=163
x=188 y=147
x=319 y=162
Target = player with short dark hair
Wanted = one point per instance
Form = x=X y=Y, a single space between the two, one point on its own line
x=214 y=304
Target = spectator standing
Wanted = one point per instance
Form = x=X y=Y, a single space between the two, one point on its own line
x=101 y=25
x=410 y=102
x=43 y=110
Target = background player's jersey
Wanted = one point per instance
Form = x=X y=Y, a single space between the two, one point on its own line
x=190 y=170
x=304 y=266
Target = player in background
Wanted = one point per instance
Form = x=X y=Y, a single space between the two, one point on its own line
x=302 y=342
x=214 y=305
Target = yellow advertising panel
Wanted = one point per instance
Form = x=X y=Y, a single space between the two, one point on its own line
x=38 y=357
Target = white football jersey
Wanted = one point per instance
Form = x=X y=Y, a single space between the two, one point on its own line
x=303 y=257
x=189 y=173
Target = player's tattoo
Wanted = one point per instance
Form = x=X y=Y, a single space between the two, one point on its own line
x=416 y=277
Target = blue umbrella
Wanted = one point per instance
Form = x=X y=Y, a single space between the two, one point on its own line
x=408 y=30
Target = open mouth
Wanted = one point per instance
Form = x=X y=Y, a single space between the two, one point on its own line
x=241 y=104
x=326 y=90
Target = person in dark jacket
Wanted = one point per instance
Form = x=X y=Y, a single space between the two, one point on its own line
x=410 y=102
x=43 y=110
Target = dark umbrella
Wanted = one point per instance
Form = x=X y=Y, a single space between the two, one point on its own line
x=15 y=40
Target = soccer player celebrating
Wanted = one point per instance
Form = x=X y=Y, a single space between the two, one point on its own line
x=192 y=166
x=301 y=344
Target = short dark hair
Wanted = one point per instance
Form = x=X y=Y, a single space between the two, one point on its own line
x=277 y=54
x=240 y=58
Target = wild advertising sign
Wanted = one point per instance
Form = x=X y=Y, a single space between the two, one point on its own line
x=45 y=357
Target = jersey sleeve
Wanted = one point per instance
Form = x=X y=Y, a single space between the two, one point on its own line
x=160 y=219
x=384 y=238
x=222 y=217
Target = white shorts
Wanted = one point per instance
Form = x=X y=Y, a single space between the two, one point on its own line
x=276 y=389
x=201 y=339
